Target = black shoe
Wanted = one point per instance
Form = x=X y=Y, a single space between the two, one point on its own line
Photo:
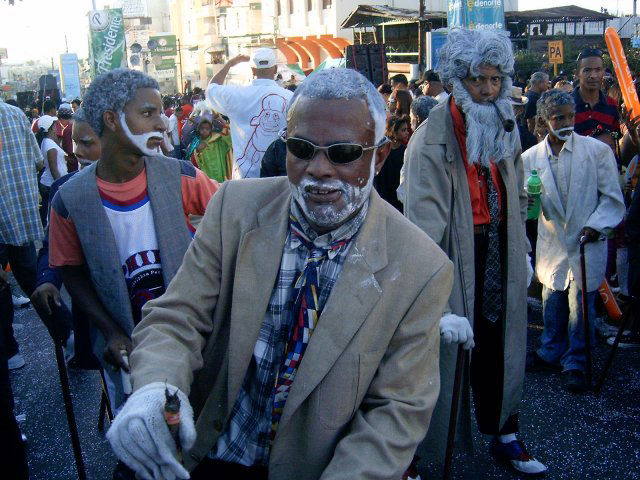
x=537 y=364
x=573 y=381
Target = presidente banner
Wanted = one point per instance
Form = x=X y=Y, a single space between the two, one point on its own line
x=70 y=75
x=476 y=14
x=166 y=45
x=107 y=44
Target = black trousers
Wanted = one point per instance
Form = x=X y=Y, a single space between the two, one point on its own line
x=487 y=358
x=23 y=266
x=210 y=469
x=12 y=454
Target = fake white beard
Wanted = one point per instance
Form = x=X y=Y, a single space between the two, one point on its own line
x=327 y=216
x=141 y=140
x=486 y=136
x=559 y=133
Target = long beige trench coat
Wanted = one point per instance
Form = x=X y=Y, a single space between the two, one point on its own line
x=438 y=201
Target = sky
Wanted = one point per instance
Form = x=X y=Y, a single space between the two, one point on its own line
x=36 y=29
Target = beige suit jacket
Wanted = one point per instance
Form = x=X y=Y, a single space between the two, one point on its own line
x=368 y=383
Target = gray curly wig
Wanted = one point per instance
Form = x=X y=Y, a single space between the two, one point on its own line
x=462 y=55
x=79 y=116
x=466 y=50
x=112 y=91
x=422 y=105
x=343 y=83
x=552 y=99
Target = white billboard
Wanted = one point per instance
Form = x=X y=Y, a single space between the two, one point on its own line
x=70 y=75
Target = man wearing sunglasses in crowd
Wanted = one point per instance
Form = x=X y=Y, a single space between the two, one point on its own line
x=301 y=341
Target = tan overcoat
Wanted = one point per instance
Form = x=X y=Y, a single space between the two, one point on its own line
x=438 y=201
x=363 y=396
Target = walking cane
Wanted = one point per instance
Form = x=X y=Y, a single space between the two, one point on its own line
x=585 y=312
x=453 y=417
x=68 y=406
x=53 y=326
x=626 y=320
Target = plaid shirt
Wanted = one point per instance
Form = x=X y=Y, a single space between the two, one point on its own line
x=19 y=155
x=246 y=438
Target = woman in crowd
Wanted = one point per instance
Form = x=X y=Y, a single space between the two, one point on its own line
x=55 y=165
x=388 y=180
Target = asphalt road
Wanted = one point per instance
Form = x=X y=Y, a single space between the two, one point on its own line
x=576 y=436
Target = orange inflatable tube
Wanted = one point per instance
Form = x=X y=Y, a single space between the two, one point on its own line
x=610 y=304
x=623 y=73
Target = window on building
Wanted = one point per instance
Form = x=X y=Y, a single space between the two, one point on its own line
x=290 y=6
x=326 y=4
x=278 y=8
x=309 y=5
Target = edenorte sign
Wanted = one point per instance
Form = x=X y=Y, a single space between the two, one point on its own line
x=476 y=14
x=107 y=40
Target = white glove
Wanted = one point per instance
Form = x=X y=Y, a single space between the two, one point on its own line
x=529 y=271
x=140 y=437
x=455 y=329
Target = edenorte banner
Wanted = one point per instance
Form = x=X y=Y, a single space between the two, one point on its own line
x=70 y=75
x=476 y=14
x=107 y=40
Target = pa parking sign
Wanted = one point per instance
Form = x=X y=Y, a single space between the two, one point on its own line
x=555 y=52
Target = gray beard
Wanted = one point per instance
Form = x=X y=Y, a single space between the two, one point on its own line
x=486 y=136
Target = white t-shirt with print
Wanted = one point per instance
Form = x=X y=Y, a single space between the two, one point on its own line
x=257 y=113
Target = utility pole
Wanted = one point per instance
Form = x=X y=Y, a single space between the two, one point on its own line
x=66 y=44
x=421 y=37
x=180 y=60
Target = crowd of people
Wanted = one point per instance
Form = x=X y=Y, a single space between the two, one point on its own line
x=310 y=323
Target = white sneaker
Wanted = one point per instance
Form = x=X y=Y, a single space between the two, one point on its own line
x=20 y=301
x=15 y=362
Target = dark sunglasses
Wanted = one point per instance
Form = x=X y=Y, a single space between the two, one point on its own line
x=338 y=153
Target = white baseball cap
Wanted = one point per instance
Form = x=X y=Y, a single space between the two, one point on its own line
x=263 y=58
x=46 y=121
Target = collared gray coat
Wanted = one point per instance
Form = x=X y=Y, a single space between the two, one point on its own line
x=438 y=201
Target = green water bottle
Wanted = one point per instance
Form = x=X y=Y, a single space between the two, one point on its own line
x=534 y=187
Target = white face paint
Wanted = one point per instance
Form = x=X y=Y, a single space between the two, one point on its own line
x=562 y=133
x=329 y=215
x=141 y=140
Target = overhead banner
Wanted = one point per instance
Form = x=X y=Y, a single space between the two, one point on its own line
x=70 y=75
x=165 y=45
x=106 y=40
x=476 y=14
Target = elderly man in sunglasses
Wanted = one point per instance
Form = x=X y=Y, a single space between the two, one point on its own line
x=300 y=338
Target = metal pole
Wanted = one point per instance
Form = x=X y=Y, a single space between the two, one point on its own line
x=180 y=58
x=68 y=406
x=421 y=37
x=585 y=312
x=453 y=417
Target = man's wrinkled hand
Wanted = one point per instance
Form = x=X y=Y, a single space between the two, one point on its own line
x=239 y=59
x=43 y=296
x=456 y=329
x=588 y=235
x=116 y=343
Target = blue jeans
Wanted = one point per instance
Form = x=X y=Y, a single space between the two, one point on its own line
x=563 y=337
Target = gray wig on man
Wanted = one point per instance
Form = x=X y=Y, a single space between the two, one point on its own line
x=112 y=91
x=422 y=105
x=462 y=56
x=552 y=99
x=343 y=83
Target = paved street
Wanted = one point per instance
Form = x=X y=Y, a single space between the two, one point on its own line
x=578 y=437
